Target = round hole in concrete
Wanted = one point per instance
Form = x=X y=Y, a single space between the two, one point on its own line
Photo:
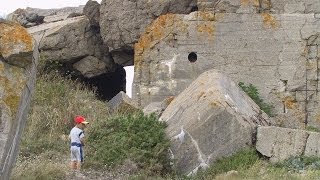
x=192 y=57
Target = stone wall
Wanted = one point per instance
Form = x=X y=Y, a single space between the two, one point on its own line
x=278 y=53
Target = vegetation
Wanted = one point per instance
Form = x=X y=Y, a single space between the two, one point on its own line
x=240 y=161
x=253 y=93
x=114 y=140
x=133 y=136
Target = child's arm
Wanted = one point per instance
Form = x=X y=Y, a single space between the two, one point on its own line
x=82 y=141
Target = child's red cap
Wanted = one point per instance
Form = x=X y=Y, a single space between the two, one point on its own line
x=80 y=119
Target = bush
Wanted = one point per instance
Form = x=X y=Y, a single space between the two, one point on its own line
x=253 y=93
x=134 y=136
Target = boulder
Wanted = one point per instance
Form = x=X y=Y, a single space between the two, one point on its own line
x=90 y=66
x=17 y=79
x=16 y=45
x=123 y=21
x=210 y=119
x=157 y=107
x=279 y=144
x=92 y=11
x=74 y=42
x=122 y=103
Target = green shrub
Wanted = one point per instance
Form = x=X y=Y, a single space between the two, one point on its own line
x=253 y=93
x=134 y=136
x=242 y=160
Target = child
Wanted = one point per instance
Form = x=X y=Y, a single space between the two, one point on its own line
x=77 y=142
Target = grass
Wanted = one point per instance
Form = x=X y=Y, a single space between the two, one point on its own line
x=56 y=101
x=253 y=93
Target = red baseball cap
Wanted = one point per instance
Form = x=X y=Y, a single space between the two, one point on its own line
x=80 y=119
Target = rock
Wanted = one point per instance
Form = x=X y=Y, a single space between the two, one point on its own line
x=74 y=15
x=90 y=66
x=16 y=44
x=312 y=147
x=72 y=40
x=282 y=143
x=92 y=11
x=210 y=119
x=294 y=7
x=122 y=103
x=175 y=49
x=157 y=107
x=121 y=26
x=17 y=79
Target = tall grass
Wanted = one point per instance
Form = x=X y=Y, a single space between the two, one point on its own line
x=56 y=101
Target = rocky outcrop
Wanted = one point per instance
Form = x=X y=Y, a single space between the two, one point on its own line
x=122 y=103
x=92 y=11
x=279 y=144
x=266 y=50
x=33 y=16
x=210 y=119
x=16 y=45
x=17 y=79
x=157 y=107
x=75 y=43
x=123 y=21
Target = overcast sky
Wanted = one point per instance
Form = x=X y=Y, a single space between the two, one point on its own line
x=8 y=6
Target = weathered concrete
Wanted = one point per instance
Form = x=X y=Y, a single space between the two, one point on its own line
x=17 y=81
x=282 y=143
x=267 y=50
x=122 y=103
x=210 y=119
x=157 y=107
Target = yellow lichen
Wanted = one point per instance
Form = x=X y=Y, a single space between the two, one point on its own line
x=269 y=21
x=249 y=2
x=11 y=86
x=13 y=34
x=206 y=16
x=154 y=33
x=290 y=103
x=169 y=99
x=206 y=27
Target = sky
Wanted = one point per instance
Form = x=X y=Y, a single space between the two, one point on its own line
x=8 y=6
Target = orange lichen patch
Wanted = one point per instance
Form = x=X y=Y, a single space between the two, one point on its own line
x=269 y=21
x=266 y=4
x=14 y=35
x=290 y=103
x=206 y=16
x=207 y=27
x=169 y=99
x=213 y=104
x=162 y=27
x=201 y=94
x=248 y=2
x=12 y=87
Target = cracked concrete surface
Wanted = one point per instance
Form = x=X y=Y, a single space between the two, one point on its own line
x=279 y=143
